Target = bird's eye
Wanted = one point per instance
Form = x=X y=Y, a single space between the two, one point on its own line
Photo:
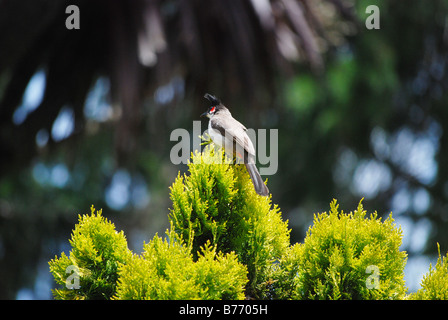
x=212 y=110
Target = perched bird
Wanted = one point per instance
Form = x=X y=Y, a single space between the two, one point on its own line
x=230 y=134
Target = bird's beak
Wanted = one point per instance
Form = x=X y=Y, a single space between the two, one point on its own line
x=204 y=114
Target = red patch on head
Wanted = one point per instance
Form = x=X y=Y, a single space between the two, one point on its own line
x=212 y=109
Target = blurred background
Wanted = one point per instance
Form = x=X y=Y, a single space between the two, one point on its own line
x=86 y=114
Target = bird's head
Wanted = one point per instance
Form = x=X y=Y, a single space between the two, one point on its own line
x=215 y=106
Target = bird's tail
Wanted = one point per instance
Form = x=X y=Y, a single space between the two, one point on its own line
x=259 y=185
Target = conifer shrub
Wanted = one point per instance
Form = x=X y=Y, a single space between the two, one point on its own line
x=90 y=270
x=350 y=256
x=100 y=266
x=434 y=285
x=166 y=271
x=227 y=242
x=217 y=202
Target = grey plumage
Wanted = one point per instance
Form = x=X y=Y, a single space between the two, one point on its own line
x=230 y=134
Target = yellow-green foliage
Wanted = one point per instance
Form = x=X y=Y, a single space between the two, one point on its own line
x=434 y=285
x=227 y=242
x=104 y=268
x=166 y=270
x=349 y=256
x=217 y=202
x=97 y=250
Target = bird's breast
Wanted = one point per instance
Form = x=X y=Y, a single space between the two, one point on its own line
x=216 y=136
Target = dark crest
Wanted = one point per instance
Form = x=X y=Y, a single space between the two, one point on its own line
x=213 y=100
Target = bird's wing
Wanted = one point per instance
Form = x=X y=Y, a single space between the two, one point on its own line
x=233 y=129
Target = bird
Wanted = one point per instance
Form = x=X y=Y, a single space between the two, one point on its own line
x=228 y=133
